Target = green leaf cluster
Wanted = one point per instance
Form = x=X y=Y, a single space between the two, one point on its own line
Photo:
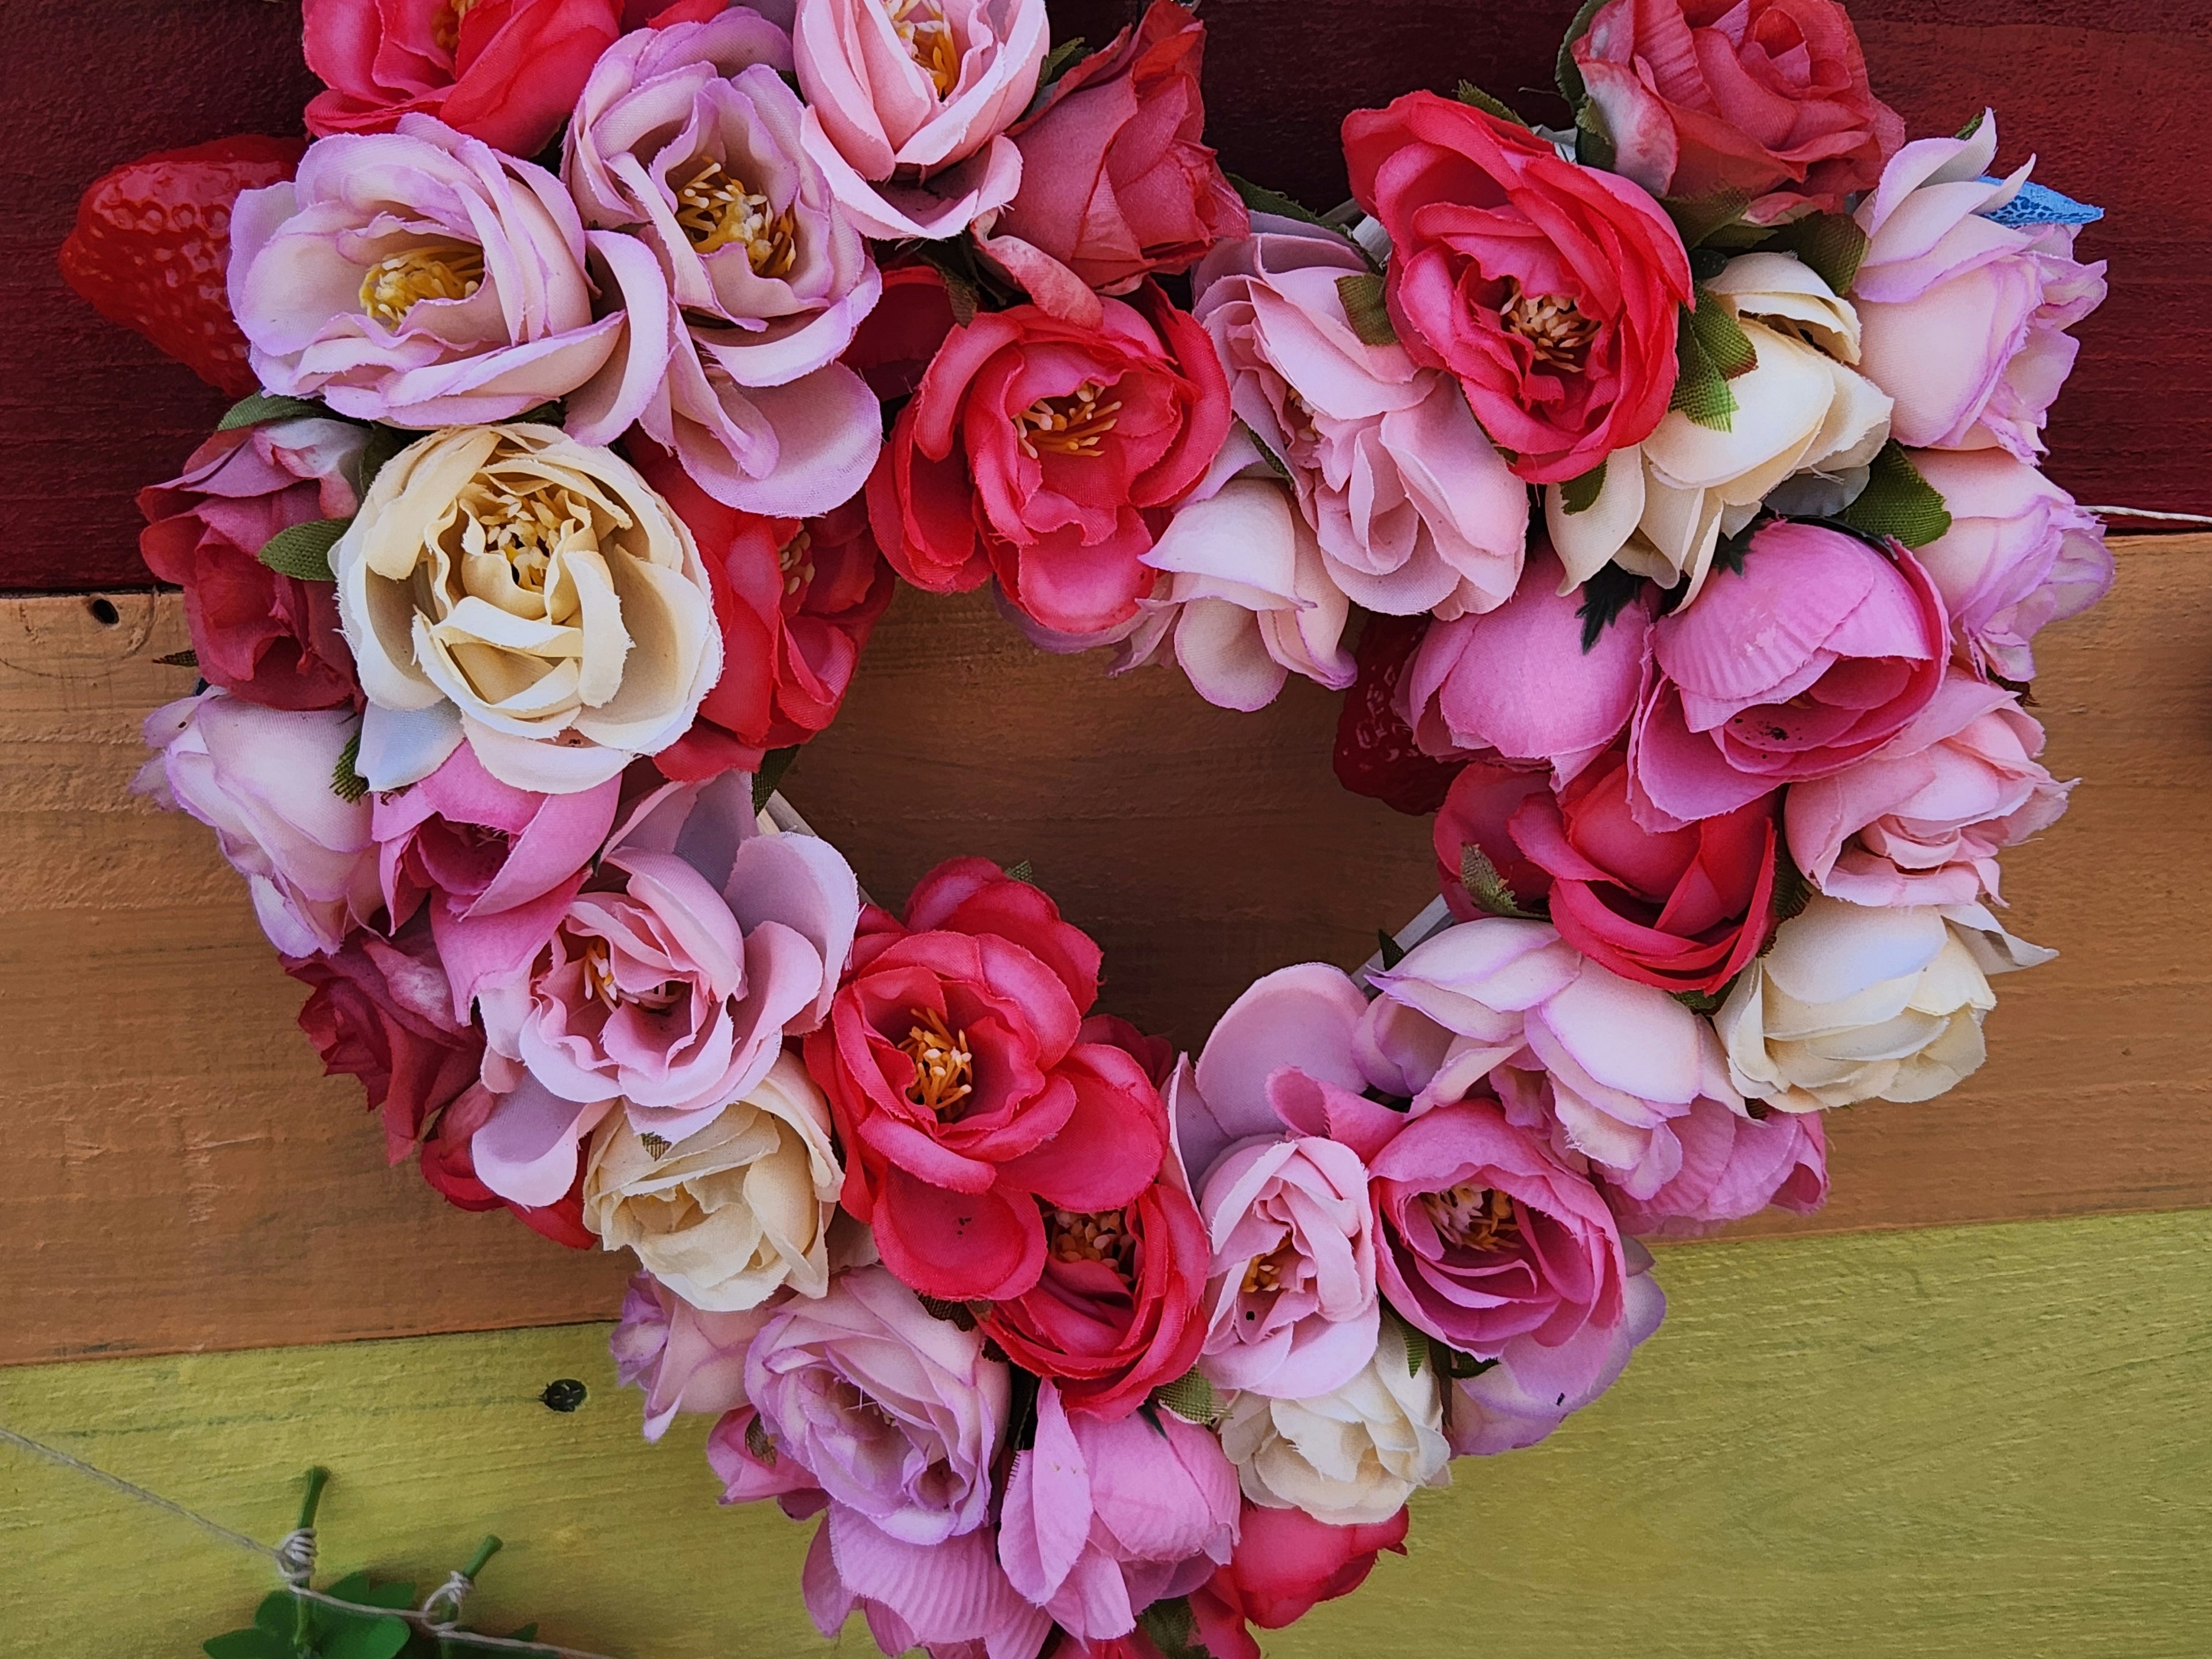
x=1258 y=198
x=1710 y=349
x=287 y=1626
x=1578 y=495
x=1897 y=501
x=1475 y=98
x=1608 y=591
x=1173 y=1628
x=1191 y=1397
x=1365 y=309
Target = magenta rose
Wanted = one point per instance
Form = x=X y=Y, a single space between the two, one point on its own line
x=1734 y=1165
x=378 y=1009
x=505 y=71
x=1551 y=290
x=2019 y=556
x=1922 y=820
x=261 y=635
x=1818 y=651
x=1962 y=320
x=1768 y=98
x=1516 y=682
x=683 y=1358
x=1117 y=181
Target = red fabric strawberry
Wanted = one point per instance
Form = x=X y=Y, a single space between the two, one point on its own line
x=152 y=244
x=1375 y=749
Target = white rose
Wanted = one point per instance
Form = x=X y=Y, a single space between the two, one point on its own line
x=727 y=1217
x=532 y=594
x=1349 y=1457
x=1856 y=1002
x=1665 y=503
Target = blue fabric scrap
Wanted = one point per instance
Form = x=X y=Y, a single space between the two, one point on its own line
x=2037 y=204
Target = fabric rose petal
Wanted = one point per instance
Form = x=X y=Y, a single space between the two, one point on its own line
x=509 y=585
x=1734 y=1165
x=418 y=277
x=1285 y=1564
x=1551 y=290
x=683 y=1359
x=1820 y=650
x=951 y=1597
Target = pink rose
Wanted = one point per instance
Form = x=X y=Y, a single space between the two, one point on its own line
x=908 y=102
x=2019 y=554
x=1285 y=1564
x=951 y=1598
x=505 y=71
x=261 y=779
x=1116 y=177
x=1516 y=682
x=497 y=865
x=1734 y=1165
x=1962 y=320
x=267 y=637
x=418 y=277
x=1817 y=652
x=1413 y=507
x=1104 y=1518
x=378 y=1010
x=1922 y=820
x=683 y=1359
x=1769 y=98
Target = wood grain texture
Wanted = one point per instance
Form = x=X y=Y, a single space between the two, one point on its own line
x=1955 y=1444
x=2110 y=100
x=183 y=1179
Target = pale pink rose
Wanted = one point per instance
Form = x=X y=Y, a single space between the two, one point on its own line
x=1301 y=1019
x=952 y=1598
x=2019 y=554
x=908 y=102
x=261 y=779
x=1734 y=1165
x=1516 y=682
x=1922 y=820
x=1962 y=320
x=1102 y=1519
x=685 y=1360
x=1413 y=506
x=418 y=278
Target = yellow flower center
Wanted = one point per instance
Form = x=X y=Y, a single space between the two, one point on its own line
x=527 y=530
x=446 y=27
x=1555 y=329
x=435 y=270
x=717 y=211
x=795 y=559
x=1073 y=425
x=1103 y=1236
x=1479 y=1218
x=599 y=980
x=1263 y=1275
x=927 y=38
x=944 y=1070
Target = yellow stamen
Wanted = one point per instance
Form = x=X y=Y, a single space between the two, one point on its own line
x=1478 y=1218
x=446 y=27
x=1555 y=329
x=1103 y=1236
x=927 y=38
x=599 y=980
x=717 y=211
x=1263 y=1275
x=1073 y=425
x=944 y=1070
x=436 y=271
x=795 y=559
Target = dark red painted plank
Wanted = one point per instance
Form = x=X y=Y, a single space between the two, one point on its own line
x=2116 y=108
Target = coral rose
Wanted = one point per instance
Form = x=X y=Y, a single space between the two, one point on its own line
x=1285 y=1564
x=258 y=633
x=1047 y=453
x=505 y=71
x=1767 y=99
x=1551 y=290
x=969 y=1106
x=681 y=1358
x=1817 y=652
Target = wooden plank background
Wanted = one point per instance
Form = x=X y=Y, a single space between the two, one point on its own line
x=2111 y=97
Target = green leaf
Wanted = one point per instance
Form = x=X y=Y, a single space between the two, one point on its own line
x=1594 y=145
x=347 y=782
x=303 y=550
x=1606 y=594
x=1057 y=62
x=1454 y=1365
x=1701 y=390
x=264 y=406
x=1390 y=950
x=1258 y=198
x=361 y=1588
x=954 y=262
x=1173 y=1629
x=1580 y=494
x=758 y=1443
x=1974 y=125
x=1726 y=345
x=1698 y=218
x=1829 y=245
x=1487 y=887
x=253 y=1643
x=1023 y=871
x=1564 y=70
x=1792 y=892
x=1475 y=98
x=962 y=1314
x=1730 y=551
x=774 y=764
x=1702 y=1002
x=1897 y=501
x=1365 y=310
x=1191 y=1397
x=367 y=1638
x=383 y=443
x=278 y=1614
x=179 y=659
x=552 y=412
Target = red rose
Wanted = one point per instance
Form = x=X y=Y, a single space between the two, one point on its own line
x=1047 y=454
x=1284 y=1565
x=269 y=638
x=796 y=602
x=506 y=72
x=1117 y=179
x=1682 y=909
x=1376 y=751
x=448 y=1165
x=1767 y=97
x=893 y=346
x=1117 y=1312
x=967 y=1102
x=1551 y=290
x=379 y=1010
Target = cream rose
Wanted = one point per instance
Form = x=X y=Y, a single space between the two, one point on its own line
x=728 y=1216
x=1802 y=413
x=509 y=585
x=1856 y=1002
x=1350 y=1457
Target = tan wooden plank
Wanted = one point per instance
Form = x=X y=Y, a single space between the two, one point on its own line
x=182 y=1179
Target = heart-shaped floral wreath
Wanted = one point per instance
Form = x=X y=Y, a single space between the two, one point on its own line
x=563 y=496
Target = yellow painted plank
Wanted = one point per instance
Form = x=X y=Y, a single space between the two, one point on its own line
x=1980 y=1440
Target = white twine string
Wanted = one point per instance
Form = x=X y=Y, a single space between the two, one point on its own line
x=2145 y=512
x=295 y=1561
